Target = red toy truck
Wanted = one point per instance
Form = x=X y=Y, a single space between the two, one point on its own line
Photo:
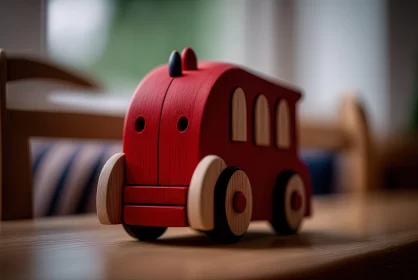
x=209 y=146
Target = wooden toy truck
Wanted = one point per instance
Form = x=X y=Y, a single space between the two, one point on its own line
x=209 y=146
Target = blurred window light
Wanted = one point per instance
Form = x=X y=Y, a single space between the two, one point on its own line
x=77 y=30
x=119 y=41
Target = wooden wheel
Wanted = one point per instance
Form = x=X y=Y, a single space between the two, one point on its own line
x=109 y=191
x=144 y=233
x=289 y=204
x=200 y=207
x=233 y=206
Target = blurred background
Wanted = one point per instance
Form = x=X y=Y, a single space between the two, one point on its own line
x=322 y=46
x=325 y=47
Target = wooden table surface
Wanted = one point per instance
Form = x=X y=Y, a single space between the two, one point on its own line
x=348 y=237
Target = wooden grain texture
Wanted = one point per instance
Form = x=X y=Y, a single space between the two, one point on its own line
x=350 y=237
x=283 y=139
x=239 y=116
x=238 y=222
x=179 y=150
x=294 y=217
x=200 y=198
x=262 y=122
x=261 y=164
x=109 y=190
x=142 y=148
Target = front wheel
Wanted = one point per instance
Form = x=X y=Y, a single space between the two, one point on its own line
x=109 y=190
x=144 y=233
x=232 y=206
x=289 y=204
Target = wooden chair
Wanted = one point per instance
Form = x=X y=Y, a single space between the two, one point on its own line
x=17 y=126
x=349 y=137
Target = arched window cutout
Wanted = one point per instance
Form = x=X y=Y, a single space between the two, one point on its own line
x=262 y=121
x=239 y=116
x=283 y=125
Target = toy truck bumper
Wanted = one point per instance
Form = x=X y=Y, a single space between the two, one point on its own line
x=155 y=216
x=156 y=206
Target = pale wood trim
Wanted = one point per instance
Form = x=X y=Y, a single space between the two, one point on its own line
x=239 y=116
x=109 y=190
x=200 y=207
x=262 y=121
x=283 y=125
x=295 y=218
x=238 y=222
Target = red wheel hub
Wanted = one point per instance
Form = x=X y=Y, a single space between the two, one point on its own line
x=295 y=201
x=239 y=202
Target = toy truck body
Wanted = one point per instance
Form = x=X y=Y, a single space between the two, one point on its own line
x=210 y=146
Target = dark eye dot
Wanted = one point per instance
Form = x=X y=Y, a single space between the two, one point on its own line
x=182 y=123
x=140 y=124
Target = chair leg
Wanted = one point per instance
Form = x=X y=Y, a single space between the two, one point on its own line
x=359 y=157
x=17 y=177
x=15 y=168
x=3 y=79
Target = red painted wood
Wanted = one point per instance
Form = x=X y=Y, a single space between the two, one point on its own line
x=141 y=149
x=188 y=59
x=203 y=96
x=239 y=202
x=179 y=150
x=155 y=216
x=261 y=164
x=155 y=195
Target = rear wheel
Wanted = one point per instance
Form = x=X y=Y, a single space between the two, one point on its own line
x=289 y=204
x=144 y=233
x=232 y=206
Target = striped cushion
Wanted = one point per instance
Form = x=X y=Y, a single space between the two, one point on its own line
x=321 y=165
x=65 y=174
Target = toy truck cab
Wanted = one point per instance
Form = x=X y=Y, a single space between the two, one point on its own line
x=209 y=146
